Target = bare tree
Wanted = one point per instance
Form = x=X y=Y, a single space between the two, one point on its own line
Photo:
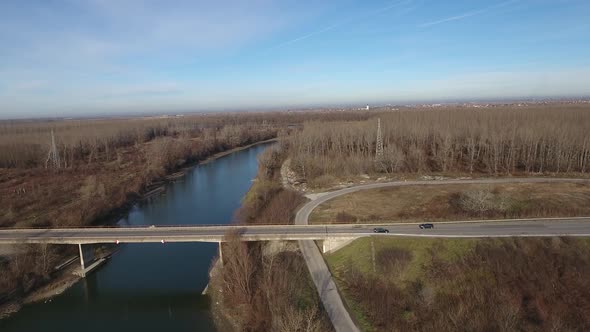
x=238 y=269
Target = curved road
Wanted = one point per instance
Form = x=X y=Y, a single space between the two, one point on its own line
x=322 y=277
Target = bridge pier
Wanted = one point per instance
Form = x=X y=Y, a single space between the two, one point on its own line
x=87 y=259
x=220 y=252
x=86 y=256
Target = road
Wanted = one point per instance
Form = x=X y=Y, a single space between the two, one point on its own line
x=488 y=228
x=322 y=277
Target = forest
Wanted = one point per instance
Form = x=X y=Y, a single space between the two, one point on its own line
x=541 y=139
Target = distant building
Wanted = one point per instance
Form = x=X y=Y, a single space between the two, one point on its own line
x=367 y=108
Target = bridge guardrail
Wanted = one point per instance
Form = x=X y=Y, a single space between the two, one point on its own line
x=213 y=226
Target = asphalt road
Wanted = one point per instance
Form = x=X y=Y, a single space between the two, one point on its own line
x=524 y=227
x=322 y=277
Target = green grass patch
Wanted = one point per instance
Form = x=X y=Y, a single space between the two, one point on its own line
x=359 y=253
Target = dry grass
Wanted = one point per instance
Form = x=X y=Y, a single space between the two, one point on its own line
x=443 y=202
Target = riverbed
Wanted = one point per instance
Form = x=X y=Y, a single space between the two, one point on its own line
x=151 y=287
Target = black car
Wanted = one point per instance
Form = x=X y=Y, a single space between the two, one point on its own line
x=380 y=230
x=426 y=226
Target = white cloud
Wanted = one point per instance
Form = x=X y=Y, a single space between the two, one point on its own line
x=466 y=15
x=347 y=22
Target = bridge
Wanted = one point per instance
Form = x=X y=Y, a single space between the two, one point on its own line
x=576 y=226
x=328 y=234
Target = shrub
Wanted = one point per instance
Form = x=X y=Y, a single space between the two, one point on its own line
x=481 y=202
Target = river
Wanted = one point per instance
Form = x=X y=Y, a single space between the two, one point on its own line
x=153 y=287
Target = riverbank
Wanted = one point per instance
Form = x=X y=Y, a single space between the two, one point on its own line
x=221 y=317
x=159 y=186
x=265 y=286
x=65 y=276
x=59 y=284
x=230 y=151
x=62 y=281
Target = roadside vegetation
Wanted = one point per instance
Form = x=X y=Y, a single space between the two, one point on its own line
x=514 y=284
x=457 y=202
x=538 y=139
x=267 y=287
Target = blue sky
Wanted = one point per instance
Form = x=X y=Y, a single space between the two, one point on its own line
x=74 y=57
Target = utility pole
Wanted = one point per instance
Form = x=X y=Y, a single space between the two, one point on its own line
x=379 y=150
x=373 y=253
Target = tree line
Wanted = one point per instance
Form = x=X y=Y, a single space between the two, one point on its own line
x=26 y=144
x=507 y=140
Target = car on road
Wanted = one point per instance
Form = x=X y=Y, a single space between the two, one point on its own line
x=426 y=226
x=380 y=230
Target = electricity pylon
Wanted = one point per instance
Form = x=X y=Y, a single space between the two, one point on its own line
x=53 y=156
x=379 y=150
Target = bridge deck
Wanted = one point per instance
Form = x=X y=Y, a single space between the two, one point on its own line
x=523 y=227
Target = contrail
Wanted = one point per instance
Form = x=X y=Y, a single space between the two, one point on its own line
x=468 y=14
x=337 y=25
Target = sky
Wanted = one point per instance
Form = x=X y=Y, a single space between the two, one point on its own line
x=86 y=57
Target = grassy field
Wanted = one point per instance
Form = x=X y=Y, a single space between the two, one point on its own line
x=452 y=202
x=359 y=253
x=466 y=284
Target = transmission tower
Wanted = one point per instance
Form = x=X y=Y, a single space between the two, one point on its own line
x=379 y=151
x=53 y=156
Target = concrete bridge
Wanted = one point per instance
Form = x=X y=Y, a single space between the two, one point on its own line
x=330 y=235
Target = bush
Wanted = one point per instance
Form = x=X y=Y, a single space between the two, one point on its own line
x=480 y=202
